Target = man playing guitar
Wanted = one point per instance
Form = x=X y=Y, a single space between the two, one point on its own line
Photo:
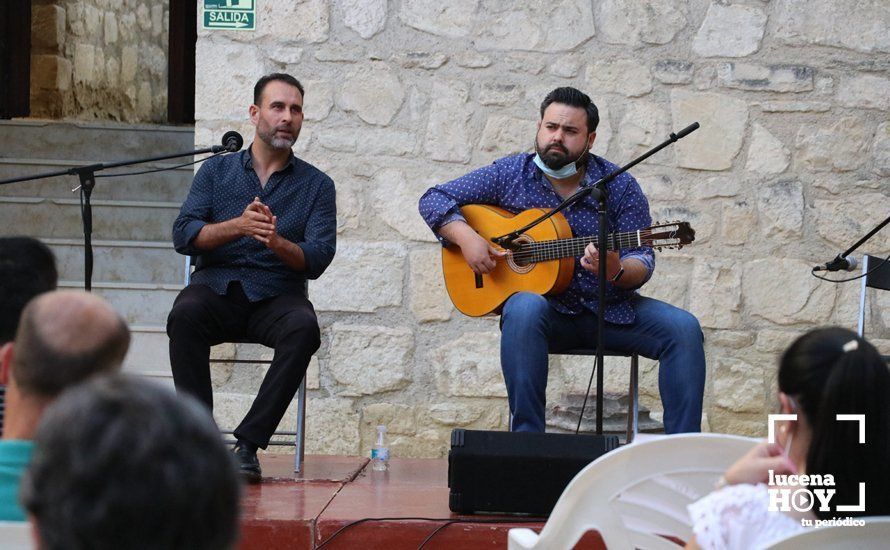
x=533 y=325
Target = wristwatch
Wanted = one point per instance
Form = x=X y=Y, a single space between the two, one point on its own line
x=619 y=274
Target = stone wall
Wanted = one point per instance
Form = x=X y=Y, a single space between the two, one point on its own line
x=99 y=59
x=789 y=167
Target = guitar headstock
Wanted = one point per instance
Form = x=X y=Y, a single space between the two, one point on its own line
x=675 y=234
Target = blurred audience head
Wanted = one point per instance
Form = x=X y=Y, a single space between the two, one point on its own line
x=831 y=371
x=121 y=462
x=27 y=268
x=64 y=337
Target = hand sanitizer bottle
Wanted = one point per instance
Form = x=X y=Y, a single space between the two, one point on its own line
x=380 y=452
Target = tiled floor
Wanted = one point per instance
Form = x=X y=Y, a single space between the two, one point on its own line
x=304 y=511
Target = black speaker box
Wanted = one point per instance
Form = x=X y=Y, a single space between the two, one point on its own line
x=516 y=472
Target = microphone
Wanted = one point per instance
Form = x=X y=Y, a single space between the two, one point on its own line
x=839 y=263
x=232 y=141
x=685 y=131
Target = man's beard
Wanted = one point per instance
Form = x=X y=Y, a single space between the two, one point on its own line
x=275 y=142
x=556 y=159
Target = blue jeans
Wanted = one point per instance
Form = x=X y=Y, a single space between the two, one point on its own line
x=530 y=328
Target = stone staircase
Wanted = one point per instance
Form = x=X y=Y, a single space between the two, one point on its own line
x=134 y=266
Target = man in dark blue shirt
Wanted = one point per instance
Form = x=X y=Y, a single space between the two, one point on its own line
x=260 y=222
x=532 y=325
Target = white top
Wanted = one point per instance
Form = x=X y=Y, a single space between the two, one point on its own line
x=736 y=518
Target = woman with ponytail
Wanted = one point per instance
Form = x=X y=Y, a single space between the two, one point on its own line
x=824 y=373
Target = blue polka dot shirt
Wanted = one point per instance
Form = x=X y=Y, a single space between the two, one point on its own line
x=515 y=183
x=301 y=197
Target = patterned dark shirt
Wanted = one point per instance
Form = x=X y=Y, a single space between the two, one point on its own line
x=515 y=183
x=299 y=195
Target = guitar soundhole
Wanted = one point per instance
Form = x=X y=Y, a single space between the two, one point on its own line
x=520 y=260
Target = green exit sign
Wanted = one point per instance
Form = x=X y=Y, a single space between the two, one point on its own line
x=238 y=15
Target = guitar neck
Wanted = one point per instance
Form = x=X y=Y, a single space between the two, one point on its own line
x=564 y=248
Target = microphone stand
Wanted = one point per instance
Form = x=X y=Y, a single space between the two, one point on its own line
x=87 y=177
x=599 y=192
x=840 y=260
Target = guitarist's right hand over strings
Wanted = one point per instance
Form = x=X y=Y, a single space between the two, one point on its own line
x=480 y=255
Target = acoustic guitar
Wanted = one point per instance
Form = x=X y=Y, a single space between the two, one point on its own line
x=544 y=261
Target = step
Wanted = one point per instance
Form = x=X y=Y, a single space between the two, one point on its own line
x=107 y=141
x=138 y=304
x=168 y=186
x=120 y=261
x=112 y=220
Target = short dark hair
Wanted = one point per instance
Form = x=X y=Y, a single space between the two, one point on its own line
x=64 y=338
x=831 y=371
x=574 y=98
x=122 y=462
x=281 y=77
x=27 y=268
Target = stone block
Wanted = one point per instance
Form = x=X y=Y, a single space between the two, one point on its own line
x=472 y=60
x=228 y=73
x=781 y=207
x=372 y=92
x=738 y=386
x=730 y=31
x=555 y=26
x=618 y=76
x=499 y=93
x=129 y=63
x=795 y=106
x=143 y=17
x=673 y=71
x=362 y=278
x=110 y=34
x=864 y=91
x=398 y=419
x=319 y=99
x=772 y=78
x=84 y=63
x=716 y=284
x=469 y=366
x=365 y=17
x=644 y=125
x=723 y=120
x=769 y=296
x=420 y=60
x=158 y=24
x=732 y=339
x=865 y=28
x=50 y=72
x=565 y=66
x=332 y=427
x=313 y=374
x=504 y=135
x=466 y=414
x=766 y=154
x=638 y=22
x=881 y=149
x=845 y=220
x=447 y=132
x=394 y=198
x=739 y=220
x=718 y=186
x=451 y=19
x=365 y=360
x=774 y=342
x=670 y=281
x=113 y=72
x=47 y=29
x=306 y=22
x=828 y=146
x=428 y=298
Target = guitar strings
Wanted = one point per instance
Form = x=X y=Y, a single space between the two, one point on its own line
x=575 y=246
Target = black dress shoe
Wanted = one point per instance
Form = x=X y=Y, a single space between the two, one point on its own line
x=248 y=464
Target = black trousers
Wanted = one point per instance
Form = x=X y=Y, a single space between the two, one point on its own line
x=201 y=318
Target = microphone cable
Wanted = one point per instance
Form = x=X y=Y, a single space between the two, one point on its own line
x=861 y=275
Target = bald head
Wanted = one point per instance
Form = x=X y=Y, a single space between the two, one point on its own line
x=64 y=337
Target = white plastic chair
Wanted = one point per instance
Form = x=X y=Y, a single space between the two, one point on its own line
x=637 y=495
x=15 y=535
x=874 y=534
